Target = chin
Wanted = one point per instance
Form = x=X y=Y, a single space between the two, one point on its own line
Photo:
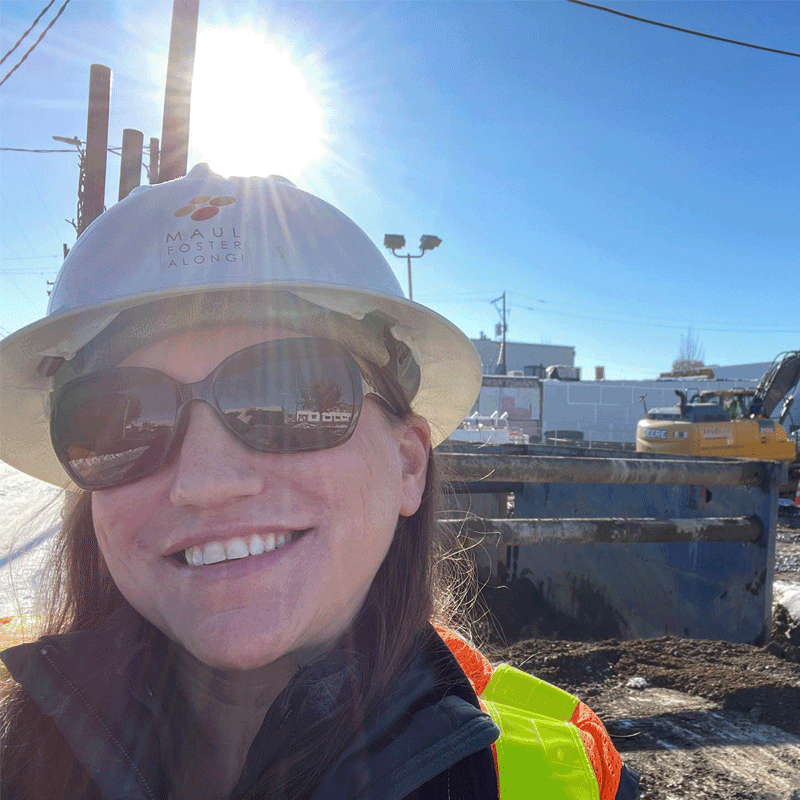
x=242 y=650
x=232 y=654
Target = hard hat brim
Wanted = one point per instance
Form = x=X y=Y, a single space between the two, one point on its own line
x=450 y=369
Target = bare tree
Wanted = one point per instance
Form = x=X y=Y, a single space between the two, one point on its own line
x=322 y=395
x=692 y=353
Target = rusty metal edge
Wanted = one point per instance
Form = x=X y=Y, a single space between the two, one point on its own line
x=609 y=530
x=573 y=469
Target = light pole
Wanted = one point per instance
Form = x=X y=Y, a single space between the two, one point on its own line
x=393 y=241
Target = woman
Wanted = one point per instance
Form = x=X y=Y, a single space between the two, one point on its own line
x=246 y=580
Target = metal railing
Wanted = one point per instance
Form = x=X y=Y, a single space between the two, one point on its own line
x=499 y=469
x=575 y=469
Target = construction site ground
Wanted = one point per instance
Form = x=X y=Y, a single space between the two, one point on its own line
x=699 y=720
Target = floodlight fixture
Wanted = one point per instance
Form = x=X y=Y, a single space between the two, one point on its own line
x=393 y=241
x=429 y=242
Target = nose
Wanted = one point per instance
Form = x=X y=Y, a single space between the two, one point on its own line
x=212 y=467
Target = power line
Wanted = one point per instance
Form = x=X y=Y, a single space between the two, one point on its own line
x=685 y=30
x=38 y=191
x=34 y=45
x=707 y=328
x=24 y=294
x=30 y=150
x=32 y=26
x=115 y=150
x=626 y=316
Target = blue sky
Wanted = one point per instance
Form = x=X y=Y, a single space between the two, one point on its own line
x=620 y=182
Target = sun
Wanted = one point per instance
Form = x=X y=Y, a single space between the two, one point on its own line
x=252 y=110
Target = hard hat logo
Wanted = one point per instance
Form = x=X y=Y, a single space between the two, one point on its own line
x=195 y=247
x=205 y=211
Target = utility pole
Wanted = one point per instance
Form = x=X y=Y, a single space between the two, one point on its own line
x=152 y=166
x=178 y=92
x=130 y=168
x=503 y=328
x=92 y=190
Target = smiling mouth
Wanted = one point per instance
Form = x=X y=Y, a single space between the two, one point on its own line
x=236 y=548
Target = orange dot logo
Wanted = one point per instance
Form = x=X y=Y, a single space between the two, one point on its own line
x=203 y=207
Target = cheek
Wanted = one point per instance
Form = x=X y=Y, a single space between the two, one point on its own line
x=118 y=516
x=377 y=496
x=363 y=504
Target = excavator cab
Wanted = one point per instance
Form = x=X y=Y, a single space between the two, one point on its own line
x=735 y=401
x=690 y=411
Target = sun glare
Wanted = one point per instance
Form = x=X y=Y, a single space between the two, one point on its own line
x=252 y=110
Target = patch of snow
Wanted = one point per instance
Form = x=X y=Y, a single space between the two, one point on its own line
x=788 y=595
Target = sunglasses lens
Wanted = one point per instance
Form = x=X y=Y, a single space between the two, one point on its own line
x=109 y=430
x=285 y=396
x=300 y=397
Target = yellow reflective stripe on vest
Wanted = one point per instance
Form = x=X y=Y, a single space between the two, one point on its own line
x=539 y=753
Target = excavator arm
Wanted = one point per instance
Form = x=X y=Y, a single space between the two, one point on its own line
x=782 y=376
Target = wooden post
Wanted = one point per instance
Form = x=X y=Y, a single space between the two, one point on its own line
x=152 y=167
x=178 y=93
x=130 y=168
x=93 y=188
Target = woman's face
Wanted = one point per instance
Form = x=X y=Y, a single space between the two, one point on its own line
x=336 y=510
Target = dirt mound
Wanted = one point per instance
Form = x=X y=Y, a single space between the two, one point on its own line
x=698 y=719
x=738 y=677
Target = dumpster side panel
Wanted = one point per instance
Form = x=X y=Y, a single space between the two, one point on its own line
x=713 y=590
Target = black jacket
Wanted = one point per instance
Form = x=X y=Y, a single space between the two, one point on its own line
x=111 y=691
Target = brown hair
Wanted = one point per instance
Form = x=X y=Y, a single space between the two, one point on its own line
x=418 y=582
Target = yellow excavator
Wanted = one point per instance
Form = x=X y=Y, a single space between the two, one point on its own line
x=735 y=423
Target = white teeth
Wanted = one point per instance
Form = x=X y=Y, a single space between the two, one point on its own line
x=236 y=548
x=214 y=552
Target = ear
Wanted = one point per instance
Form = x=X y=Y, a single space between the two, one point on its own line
x=415 y=444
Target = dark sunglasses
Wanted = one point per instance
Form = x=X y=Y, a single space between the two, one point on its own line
x=119 y=425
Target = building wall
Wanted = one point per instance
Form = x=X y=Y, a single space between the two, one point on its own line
x=608 y=411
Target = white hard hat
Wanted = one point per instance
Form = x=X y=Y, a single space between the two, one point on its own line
x=202 y=235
